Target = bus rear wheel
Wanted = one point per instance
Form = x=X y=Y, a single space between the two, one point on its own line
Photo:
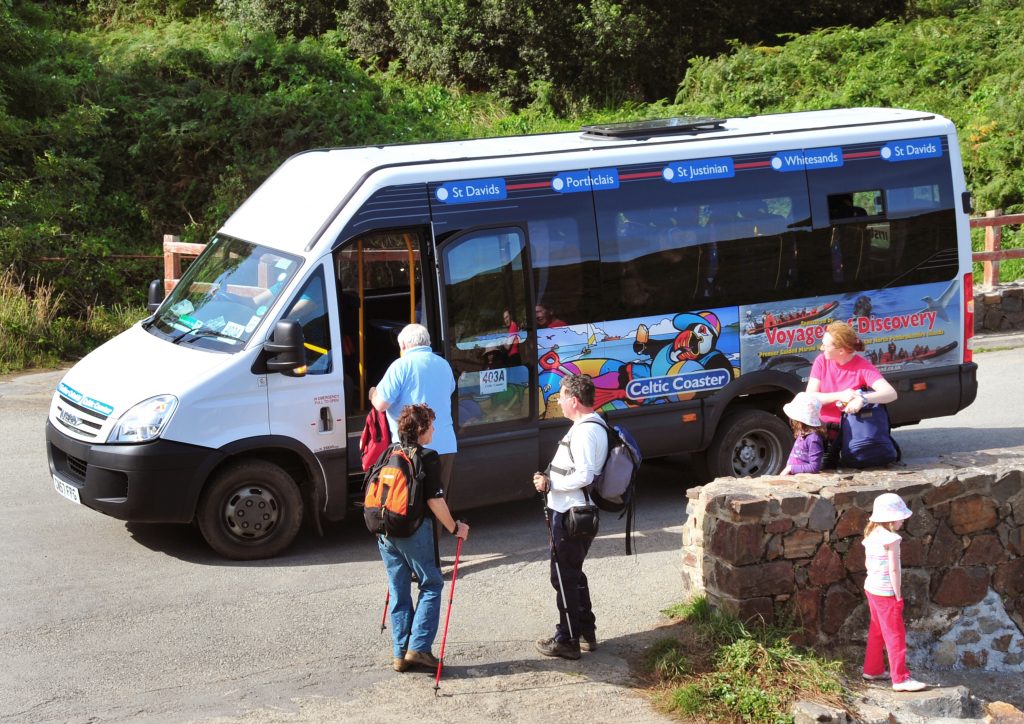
x=251 y=510
x=749 y=443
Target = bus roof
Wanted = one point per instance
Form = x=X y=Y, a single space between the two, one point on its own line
x=296 y=203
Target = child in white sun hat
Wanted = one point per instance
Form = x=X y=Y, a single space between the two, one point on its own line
x=885 y=596
x=804 y=413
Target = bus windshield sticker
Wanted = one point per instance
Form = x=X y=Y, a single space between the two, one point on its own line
x=470 y=192
x=705 y=169
x=598 y=179
x=896 y=151
x=800 y=160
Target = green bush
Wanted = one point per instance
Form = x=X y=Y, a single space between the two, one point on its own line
x=32 y=334
x=298 y=18
x=572 y=55
x=963 y=67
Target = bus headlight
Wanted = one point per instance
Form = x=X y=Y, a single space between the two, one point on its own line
x=145 y=421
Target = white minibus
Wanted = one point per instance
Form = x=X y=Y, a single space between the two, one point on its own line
x=689 y=265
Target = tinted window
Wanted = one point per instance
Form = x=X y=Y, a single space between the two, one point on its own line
x=310 y=310
x=488 y=347
x=880 y=223
x=668 y=247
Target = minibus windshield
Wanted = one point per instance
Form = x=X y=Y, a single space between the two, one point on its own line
x=223 y=296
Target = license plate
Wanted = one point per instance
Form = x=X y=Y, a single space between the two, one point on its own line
x=67 y=490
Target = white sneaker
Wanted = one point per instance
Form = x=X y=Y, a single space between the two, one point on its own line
x=884 y=676
x=909 y=685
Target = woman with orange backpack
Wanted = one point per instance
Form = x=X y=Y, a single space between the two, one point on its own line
x=413 y=629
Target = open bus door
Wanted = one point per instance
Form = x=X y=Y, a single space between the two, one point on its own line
x=380 y=291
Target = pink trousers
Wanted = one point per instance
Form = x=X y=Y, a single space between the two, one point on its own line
x=886 y=628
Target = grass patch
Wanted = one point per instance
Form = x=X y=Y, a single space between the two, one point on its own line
x=33 y=334
x=715 y=668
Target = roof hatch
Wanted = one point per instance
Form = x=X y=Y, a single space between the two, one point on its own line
x=639 y=130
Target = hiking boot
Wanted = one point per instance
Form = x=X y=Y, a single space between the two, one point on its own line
x=563 y=649
x=884 y=676
x=909 y=685
x=421 y=658
x=588 y=642
x=400 y=664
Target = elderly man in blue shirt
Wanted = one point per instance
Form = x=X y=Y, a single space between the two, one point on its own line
x=419 y=376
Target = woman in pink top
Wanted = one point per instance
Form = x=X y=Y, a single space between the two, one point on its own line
x=883 y=588
x=844 y=381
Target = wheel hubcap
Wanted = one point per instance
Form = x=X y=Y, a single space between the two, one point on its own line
x=251 y=512
x=753 y=455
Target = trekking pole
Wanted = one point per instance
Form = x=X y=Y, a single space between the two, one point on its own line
x=558 y=569
x=384 y=616
x=448 y=616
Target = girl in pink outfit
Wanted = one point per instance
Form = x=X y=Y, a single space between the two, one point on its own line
x=885 y=595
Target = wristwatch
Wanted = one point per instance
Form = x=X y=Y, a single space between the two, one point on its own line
x=863 y=396
x=455 y=530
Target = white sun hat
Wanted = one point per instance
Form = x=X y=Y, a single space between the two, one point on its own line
x=889 y=507
x=805 y=408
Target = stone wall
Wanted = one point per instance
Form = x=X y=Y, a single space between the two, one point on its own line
x=999 y=309
x=772 y=546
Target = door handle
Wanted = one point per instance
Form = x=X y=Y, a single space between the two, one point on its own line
x=326 y=420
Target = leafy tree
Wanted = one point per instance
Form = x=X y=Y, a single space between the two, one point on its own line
x=300 y=18
x=596 y=52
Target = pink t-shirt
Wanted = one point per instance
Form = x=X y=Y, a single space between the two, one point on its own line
x=833 y=377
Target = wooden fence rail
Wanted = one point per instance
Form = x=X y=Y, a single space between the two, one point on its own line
x=993 y=222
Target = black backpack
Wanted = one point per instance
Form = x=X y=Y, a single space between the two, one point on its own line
x=393 y=500
x=614 y=488
x=865 y=439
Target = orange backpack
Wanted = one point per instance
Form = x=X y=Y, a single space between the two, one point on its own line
x=393 y=502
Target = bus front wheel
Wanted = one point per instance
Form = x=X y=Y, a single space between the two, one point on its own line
x=749 y=443
x=251 y=510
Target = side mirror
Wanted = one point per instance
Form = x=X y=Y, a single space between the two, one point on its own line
x=154 y=295
x=285 y=350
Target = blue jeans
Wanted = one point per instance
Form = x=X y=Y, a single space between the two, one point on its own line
x=402 y=557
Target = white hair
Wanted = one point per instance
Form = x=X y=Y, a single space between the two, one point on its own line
x=413 y=335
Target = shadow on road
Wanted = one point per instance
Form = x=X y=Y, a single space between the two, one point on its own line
x=956 y=439
x=507 y=534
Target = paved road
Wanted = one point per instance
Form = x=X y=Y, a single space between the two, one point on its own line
x=105 y=621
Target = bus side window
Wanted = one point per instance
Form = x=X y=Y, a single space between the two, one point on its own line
x=563 y=253
x=310 y=310
x=488 y=347
x=639 y=244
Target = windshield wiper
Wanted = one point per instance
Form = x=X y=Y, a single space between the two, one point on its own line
x=207 y=333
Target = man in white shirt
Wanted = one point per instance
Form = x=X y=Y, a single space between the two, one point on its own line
x=579 y=458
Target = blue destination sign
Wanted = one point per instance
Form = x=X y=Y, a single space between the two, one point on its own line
x=87 y=402
x=704 y=169
x=686 y=382
x=912 y=150
x=597 y=179
x=471 y=192
x=808 y=159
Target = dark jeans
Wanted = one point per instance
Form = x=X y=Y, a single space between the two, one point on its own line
x=833 y=443
x=569 y=553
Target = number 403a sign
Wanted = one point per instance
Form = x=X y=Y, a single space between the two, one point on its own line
x=492 y=381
